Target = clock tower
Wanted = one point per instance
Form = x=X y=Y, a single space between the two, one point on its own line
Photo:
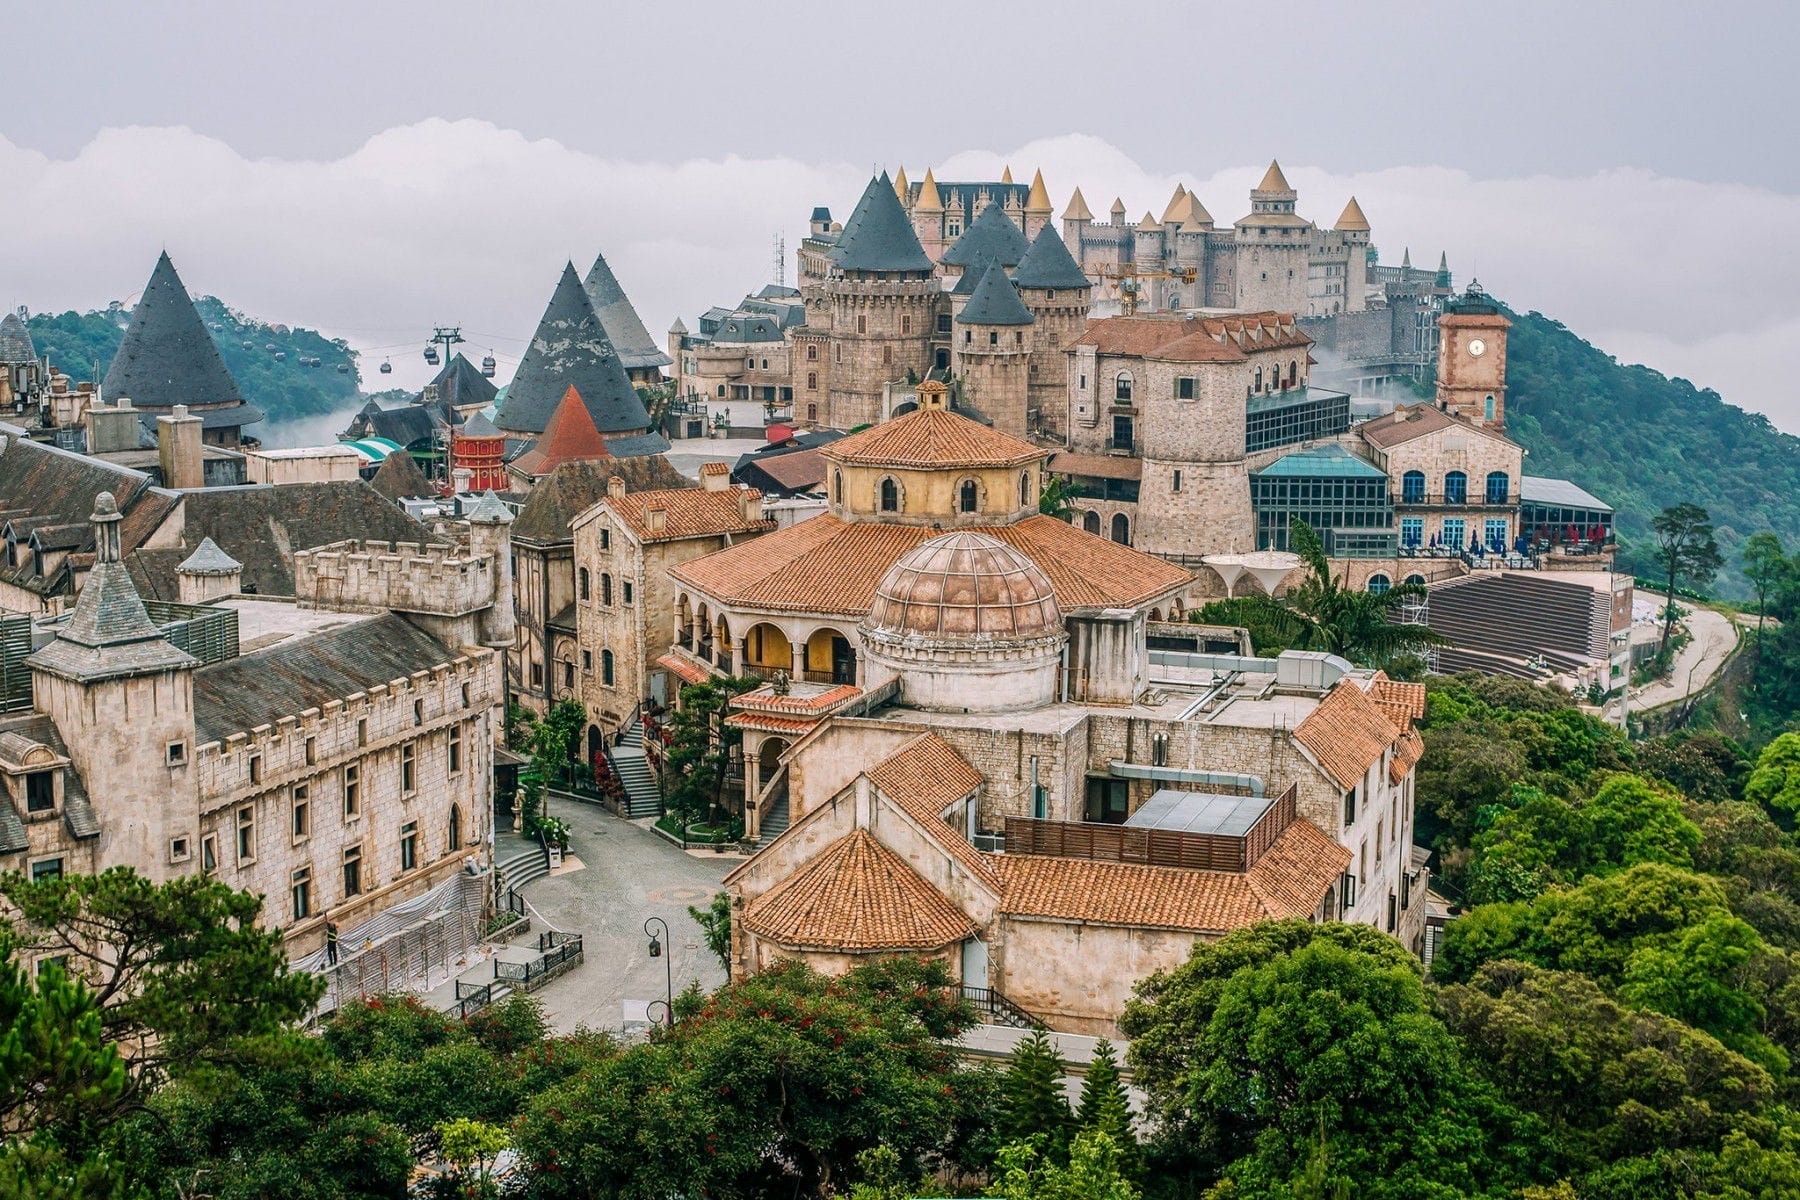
x=1471 y=375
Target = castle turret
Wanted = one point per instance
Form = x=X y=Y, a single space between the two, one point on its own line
x=1273 y=248
x=928 y=218
x=1058 y=295
x=490 y=536
x=1443 y=272
x=1037 y=207
x=1076 y=219
x=1354 y=227
x=993 y=342
x=207 y=574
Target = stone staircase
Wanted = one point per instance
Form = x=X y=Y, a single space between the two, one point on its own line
x=775 y=815
x=518 y=861
x=627 y=758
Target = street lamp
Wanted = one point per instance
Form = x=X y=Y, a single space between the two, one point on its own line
x=656 y=951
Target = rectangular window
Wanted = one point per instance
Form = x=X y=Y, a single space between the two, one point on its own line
x=409 y=845
x=1349 y=808
x=406 y=769
x=256 y=768
x=312 y=751
x=1108 y=800
x=353 y=881
x=605 y=538
x=177 y=753
x=1453 y=532
x=1185 y=387
x=302 y=824
x=246 y=834
x=362 y=731
x=1347 y=893
x=587 y=661
x=40 y=792
x=1393 y=916
x=46 y=868
x=537 y=675
x=209 y=853
x=466 y=694
x=1494 y=533
x=352 y=791
x=418 y=712
x=1175 y=481
x=568 y=674
x=300 y=886
x=178 y=850
x=628 y=591
x=456 y=748
x=1122 y=438
x=1412 y=531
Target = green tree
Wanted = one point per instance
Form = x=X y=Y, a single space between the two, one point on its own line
x=1687 y=553
x=700 y=746
x=1357 y=625
x=470 y=1148
x=1026 y=1171
x=1032 y=1101
x=715 y=926
x=1767 y=568
x=1271 y=626
x=1104 y=1105
x=1775 y=781
x=1058 y=496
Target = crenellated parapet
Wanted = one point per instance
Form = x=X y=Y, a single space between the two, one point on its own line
x=408 y=577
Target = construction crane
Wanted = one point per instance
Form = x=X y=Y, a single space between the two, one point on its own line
x=1128 y=276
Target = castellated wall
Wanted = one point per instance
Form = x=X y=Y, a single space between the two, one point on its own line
x=374 y=576
x=1056 y=324
x=880 y=330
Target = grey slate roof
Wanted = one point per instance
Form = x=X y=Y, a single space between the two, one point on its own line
x=288 y=678
x=478 y=426
x=407 y=424
x=208 y=559
x=995 y=302
x=78 y=810
x=638 y=445
x=1048 y=264
x=972 y=273
x=570 y=348
x=461 y=384
x=991 y=235
x=579 y=484
x=168 y=358
x=15 y=341
x=879 y=236
x=620 y=320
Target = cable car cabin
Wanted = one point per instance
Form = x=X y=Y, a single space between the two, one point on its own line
x=431 y=355
x=281 y=356
x=487 y=366
x=343 y=368
x=387 y=368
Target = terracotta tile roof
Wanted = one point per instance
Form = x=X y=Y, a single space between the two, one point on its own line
x=683 y=667
x=857 y=896
x=690 y=513
x=800 y=471
x=1417 y=421
x=1403 y=702
x=932 y=437
x=1097 y=466
x=1406 y=755
x=1289 y=880
x=770 y=723
x=924 y=777
x=813 y=704
x=1193 y=339
x=571 y=436
x=1347 y=733
x=827 y=565
x=714 y=468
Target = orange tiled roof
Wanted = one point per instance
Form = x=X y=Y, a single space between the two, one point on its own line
x=684 y=667
x=1404 y=703
x=1347 y=733
x=771 y=722
x=1097 y=466
x=570 y=436
x=714 y=468
x=1407 y=754
x=816 y=704
x=857 y=896
x=827 y=565
x=932 y=437
x=1289 y=880
x=924 y=777
x=689 y=512
x=1193 y=339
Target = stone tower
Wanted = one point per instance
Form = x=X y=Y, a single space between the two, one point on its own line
x=992 y=346
x=1038 y=212
x=928 y=217
x=490 y=535
x=1058 y=296
x=1273 y=248
x=207 y=574
x=1471 y=377
x=1076 y=219
x=884 y=304
x=1355 y=230
x=122 y=697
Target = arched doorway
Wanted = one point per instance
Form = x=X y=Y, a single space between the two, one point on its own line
x=830 y=657
x=766 y=651
x=768 y=760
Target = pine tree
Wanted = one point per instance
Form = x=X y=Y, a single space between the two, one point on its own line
x=1104 y=1106
x=1032 y=1100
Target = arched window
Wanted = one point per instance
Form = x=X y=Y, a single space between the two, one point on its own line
x=812 y=412
x=1456 y=488
x=812 y=354
x=1258 y=386
x=1488 y=406
x=605 y=588
x=721 y=390
x=456 y=827
x=606 y=667
x=1122 y=387
x=1121 y=529
x=1379 y=584
x=1416 y=579
x=812 y=381
x=1498 y=485
x=1412 y=487
x=1024 y=488
x=968 y=497
x=1090 y=521
x=890 y=495
x=837 y=487
x=1293 y=372
x=581 y=585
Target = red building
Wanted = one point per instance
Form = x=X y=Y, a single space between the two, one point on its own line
x=479 y=448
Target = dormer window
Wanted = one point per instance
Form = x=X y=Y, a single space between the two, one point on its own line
x=40 y=792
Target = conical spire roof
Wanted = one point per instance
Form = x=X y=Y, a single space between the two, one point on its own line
x=1038 y=201
x=1078 y=209
x=901 y=187
x=1118 y=207
x=624 y=329
x=571 y=350
x=1172 y=213
x=995 y=302
x=991 y=235
x=167 y=357
x=929 y=199
x=1273 y=180
x=971 y=275
x=1406 y=259
x=1192 y=213
x=478 y=426
x=208 y=559
x=570 y=436
x=460 y=384
x=15 y=341
x=879 y=236
x=1048 y=264
x=1351 y=220
x=1149 y=224
x=1006 y=174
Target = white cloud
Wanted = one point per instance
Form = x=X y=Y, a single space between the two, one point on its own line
x=464 y=222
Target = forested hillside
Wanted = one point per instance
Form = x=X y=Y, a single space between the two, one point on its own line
x=82 y=344
x=1642 y=441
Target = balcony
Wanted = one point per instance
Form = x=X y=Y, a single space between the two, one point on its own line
x=1155 y=847
x=1448 y=500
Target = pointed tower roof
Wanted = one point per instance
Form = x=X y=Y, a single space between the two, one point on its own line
x=460 y=384
x=478 y=426
x=1351 y=220
x=570 y=436
x=1273 y=180
x=879 y=236
x=901 y=186
x=208 y=559
x=15 y=341
x=624 y=329
x=971 y=275
x=1078 y=209
x=1038 y=201
x=167 y=357
x=1006 y=174
x=1406 y=259
x=110 y=636
x=1172 y=213
x=1443 y=271
x=680 y=326
x=1048 y=264
x=1149 y=224
x=571 y=350
x=1192 y=213
x=929 y=200
x=995 y=302
x=1118 y=207
x=991 y=235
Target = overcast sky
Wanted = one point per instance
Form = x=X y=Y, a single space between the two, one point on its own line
x=375 y=168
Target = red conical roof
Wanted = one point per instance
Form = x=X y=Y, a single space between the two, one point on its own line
x=570 y=435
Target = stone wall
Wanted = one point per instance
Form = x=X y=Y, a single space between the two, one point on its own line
x=880 y=331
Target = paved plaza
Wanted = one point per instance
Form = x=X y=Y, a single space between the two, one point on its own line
x=629 y=874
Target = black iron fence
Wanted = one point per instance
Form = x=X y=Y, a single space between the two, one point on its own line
x=557 y=952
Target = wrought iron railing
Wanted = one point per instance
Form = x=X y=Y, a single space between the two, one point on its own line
x=992 y=1003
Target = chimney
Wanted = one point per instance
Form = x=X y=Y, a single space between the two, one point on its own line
x=429 y=394
x=463 y=477
x=112 y=429
x=715 y=476
x=1399 y=413
x=178 y=450
x=615 y=487
x=933 y=394
x=751 y=501
x=655 y=517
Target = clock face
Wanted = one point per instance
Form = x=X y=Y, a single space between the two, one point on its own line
x=1477 y=348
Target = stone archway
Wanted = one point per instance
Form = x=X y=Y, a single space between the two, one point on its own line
x=830 y=657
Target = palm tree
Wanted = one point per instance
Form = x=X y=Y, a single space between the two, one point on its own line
x=1356 y=625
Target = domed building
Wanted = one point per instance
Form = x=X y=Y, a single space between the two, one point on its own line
x=968 y=624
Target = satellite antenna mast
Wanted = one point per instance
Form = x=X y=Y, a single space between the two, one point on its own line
x=780 y=261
